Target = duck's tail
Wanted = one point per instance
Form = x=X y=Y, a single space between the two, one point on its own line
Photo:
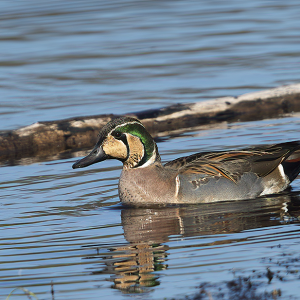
x=291 y=163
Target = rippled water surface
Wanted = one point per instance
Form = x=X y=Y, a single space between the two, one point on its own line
x=65 y=227
x=64 y=58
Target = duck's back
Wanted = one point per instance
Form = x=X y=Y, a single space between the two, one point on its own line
x=233 y=175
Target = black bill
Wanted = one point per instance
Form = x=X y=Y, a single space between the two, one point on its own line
x=95 y=156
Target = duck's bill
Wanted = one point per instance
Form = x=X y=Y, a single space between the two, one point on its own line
x=95 y=156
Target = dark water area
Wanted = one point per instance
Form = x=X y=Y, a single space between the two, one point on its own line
x=65 y=227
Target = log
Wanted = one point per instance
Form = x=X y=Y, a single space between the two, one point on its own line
x=44 y=139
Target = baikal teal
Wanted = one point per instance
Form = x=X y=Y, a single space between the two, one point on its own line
x=198 y=178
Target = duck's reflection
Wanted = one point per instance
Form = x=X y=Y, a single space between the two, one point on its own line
x=149 y=229
x=133 y=265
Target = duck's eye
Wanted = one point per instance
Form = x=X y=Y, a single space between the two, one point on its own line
x=117 y=134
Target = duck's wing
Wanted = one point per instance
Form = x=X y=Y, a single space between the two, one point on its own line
x=233 y=164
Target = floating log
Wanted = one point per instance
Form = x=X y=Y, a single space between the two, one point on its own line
x=44 y=139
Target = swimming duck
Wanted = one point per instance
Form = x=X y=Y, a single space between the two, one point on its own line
x=201 y=177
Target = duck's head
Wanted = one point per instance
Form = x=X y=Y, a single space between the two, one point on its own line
x=125 y=139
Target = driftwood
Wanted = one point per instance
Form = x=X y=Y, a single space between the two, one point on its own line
x=50 y=138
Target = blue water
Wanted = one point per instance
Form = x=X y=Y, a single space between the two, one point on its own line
x=64 y=59
x=67 y=58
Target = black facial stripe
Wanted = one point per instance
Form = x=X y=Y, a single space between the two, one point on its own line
x=123 y=138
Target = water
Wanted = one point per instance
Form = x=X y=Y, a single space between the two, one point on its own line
x=66 y=58
x=66 y=227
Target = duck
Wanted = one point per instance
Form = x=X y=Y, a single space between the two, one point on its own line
x=198 y=178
